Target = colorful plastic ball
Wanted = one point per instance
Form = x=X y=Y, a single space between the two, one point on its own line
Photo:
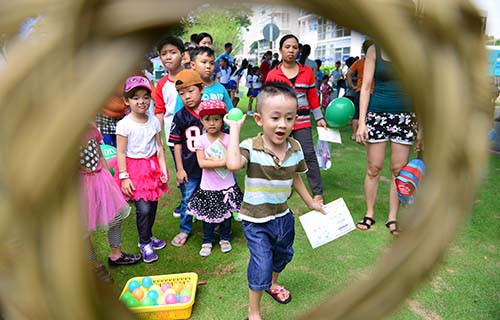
x=185 y=299
x=178 y=297
x=146 y=302
x=165 y=286
x=170 y=291
x=133 y=285
x=138 y=293
x=155 y=287
x=147 y=282
x=339 y=112
x=161 y=299
x=132 y=302
x=152 y=294
x=178 y=287
x=235 y=114
x=125 y=296
x=185 y=292
x=170 y=299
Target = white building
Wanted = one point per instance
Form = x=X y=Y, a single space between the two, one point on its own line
x=329 y=42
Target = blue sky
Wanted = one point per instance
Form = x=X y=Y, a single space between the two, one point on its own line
x=493 y=20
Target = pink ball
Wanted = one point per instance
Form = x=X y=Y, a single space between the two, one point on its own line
x=185 y=299
x=170 y=299
x=165 y=287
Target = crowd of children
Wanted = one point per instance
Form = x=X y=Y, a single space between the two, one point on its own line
x=191 y=102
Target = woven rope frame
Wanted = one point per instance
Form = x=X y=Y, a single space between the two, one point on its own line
x=56 y=81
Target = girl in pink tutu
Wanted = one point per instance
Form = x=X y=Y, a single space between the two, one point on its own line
x=103 y=202
x=142 y=171
x=219 y=195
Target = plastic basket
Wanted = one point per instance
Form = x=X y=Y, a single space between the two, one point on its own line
x=174 y=311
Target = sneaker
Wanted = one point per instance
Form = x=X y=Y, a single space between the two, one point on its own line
x=158 y=243
x=206 y=249
x=225 y=246
x=177 y=213
x=124 y=259
x=148 y=253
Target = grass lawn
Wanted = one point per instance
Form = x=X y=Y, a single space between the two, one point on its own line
x=465 y=286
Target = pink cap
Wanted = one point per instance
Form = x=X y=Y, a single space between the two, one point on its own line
x=212 y=107
x=137 y=81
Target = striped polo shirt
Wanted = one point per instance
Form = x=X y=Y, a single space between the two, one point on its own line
x=268 y=182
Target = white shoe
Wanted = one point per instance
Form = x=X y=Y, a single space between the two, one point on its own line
x=225 y=246
x=206 y=249
x=250 y=113
x=176 y=214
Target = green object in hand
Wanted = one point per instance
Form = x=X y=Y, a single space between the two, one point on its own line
x=235 y=114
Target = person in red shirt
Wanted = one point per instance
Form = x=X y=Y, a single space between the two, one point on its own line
x=303 y=81
x=265 y=66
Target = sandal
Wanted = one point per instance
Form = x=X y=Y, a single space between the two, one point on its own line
x=180 y=239
x=278 y=292
x=206 y=249
x=395 y=231
x=124 y=259
x=364 y=223
x=103 y=274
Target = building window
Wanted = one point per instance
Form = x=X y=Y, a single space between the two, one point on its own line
x=322 y=26
x=341 y=31
x=320 y=52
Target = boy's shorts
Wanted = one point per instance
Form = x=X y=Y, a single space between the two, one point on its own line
x=271 y=249
x=253 y=93
x=397 y=127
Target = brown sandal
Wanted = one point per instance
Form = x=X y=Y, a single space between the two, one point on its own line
x=103 y=274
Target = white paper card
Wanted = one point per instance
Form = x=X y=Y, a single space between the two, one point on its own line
x=330 y=135
x=321 y=229
x=217 y=151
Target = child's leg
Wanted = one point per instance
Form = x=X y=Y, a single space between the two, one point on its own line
x=186 y=223
x=152 y=215
x=117 y=257
x=115 y=237
x=143 y=211
x=208 y=232
x=99 y=269
x=283 y=251
x=225 y=230
x=260 y=239
x=254 y=298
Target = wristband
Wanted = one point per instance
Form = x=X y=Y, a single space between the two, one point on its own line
x=123 y=175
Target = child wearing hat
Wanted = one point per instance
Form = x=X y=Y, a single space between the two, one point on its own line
x=219 y=195
x=186 y=128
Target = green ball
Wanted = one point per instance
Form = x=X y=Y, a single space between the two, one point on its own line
x=235 y=114
x=146 y=302
x=339 y=112
x=127 y=295
x=132 y=302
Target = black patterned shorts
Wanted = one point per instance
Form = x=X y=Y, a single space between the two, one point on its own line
x=397 y=127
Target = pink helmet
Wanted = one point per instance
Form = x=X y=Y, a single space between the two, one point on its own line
x=137 y=81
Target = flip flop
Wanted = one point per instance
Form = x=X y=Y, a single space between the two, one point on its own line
x=279 y=290
x=364 y=222
x=395 y=232
x=179 y=240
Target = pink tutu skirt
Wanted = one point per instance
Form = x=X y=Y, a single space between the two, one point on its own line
x=102 y=200
x=145 y=175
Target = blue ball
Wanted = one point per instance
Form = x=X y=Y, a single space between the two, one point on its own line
x=147 y=282
x=134 y=284
x=152 y=294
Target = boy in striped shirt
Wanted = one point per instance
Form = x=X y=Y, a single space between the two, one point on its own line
x=274 y=163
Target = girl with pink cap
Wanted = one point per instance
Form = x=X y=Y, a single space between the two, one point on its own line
x=142 y=171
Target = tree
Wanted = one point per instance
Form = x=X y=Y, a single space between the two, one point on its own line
x=224 y=24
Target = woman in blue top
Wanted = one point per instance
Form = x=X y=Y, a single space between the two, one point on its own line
x=385 y=116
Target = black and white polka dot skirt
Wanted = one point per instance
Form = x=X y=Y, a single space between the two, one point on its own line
x=215 y=206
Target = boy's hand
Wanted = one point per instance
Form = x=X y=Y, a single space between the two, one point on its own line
x=318 y=206
x=234 y=124
x=181 y=177
x=128 y=188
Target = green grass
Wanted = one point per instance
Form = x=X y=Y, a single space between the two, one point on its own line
x=465 y=286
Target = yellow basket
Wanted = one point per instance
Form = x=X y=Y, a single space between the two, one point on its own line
x=163 y=312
